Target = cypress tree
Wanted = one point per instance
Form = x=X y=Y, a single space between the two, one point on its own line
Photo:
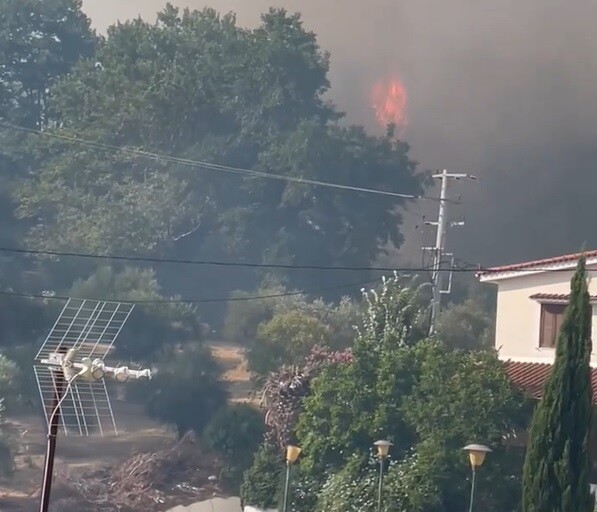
x=557 y=463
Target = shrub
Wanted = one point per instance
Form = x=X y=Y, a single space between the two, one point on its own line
x=235 y=432
x=186 y=390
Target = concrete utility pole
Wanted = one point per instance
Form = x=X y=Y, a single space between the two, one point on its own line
x=440 y=240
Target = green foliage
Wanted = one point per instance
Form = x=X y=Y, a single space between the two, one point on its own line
x=262 y=482
x=236 y=432
x=355 y=487
x=152 y=326
x=8 y=376
x=340 y=319
x=196 y=86
x=395 y=314
x=21 y=319
x=186 y=390
x=466 y=326
x=244 y=316
x=10 y=379
x=352 y=405
x=460 y=398
x=23 y=391
x=283 y=330
x=557 y=464
x=447 y=399
x=39 y=42
x=285 y=339
x=6 y=456
x=425 y=397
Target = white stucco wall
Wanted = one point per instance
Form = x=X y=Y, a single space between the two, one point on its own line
x=518 y=316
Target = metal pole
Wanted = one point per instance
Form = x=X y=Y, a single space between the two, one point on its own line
x=379 y=493
x=286 y=486
x=51 y=444
x=470 y=508
x=439 y=249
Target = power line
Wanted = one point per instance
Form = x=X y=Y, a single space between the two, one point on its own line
x=210 y=166
x=149 y=259
x=467 y=267
x=191 y=301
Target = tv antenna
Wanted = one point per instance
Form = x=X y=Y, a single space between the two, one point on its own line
x=70 y=372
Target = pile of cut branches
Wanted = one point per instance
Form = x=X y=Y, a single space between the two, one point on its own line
x=182 y=473
x=284 y=391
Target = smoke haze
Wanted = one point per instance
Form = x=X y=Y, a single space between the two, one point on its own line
x=505 y=90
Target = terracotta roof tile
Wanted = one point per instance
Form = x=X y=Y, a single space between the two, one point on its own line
x=531 y=377
x=529 y=265
x=564 y=297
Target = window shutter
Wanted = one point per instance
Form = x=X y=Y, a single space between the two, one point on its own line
x=552 y=316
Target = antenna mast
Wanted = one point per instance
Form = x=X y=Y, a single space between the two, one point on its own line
x=438 y=251
x=70 y=371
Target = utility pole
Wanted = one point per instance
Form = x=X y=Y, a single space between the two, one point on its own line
x=438 y=250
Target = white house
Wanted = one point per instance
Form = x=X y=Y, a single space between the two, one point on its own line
x=531 y=298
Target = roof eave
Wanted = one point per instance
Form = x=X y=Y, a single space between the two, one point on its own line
x=493 y=277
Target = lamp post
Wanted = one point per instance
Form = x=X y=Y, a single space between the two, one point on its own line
x=476 y=454
x=383 y=448
x=292 y=454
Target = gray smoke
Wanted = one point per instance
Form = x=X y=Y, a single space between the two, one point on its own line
x=506 y=90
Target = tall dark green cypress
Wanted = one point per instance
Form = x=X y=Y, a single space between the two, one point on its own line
x=557 y=464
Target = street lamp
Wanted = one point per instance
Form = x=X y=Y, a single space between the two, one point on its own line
x=476 y=454
x=383 y=448
x=292 y=454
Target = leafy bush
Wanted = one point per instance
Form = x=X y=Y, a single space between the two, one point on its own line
x=285 y=339
x=6 y=456
x=9 y=375
x=236 y=432
x=262 y=482
x=466 y=326
x=283 y=330
x=426 y=398
x=243 y=317
x=151 y=326
x=186 y=390
x=22 y=392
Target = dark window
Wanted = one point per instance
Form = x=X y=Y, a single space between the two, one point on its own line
x=551 y=321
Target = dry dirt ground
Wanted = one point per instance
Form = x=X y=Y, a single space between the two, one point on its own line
x=76 y=455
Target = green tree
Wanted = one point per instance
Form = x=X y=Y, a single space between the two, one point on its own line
x=9 y=373
x=447 y=399
x=151 y=326
x=262 y=481
x=243 y=317
x=196 y=86
x=236 y=432
x=39 y=42
x=466 y=326
x=427 y=398
x=557 y=464
x=287 y=338
x=366 y=394
x=354 y=487
x=186 y=390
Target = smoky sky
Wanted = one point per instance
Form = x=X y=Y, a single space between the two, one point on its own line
x=504 y=89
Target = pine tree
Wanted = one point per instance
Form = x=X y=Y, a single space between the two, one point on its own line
x=557 y=464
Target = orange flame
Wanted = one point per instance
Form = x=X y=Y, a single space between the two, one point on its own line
x=389 y=101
